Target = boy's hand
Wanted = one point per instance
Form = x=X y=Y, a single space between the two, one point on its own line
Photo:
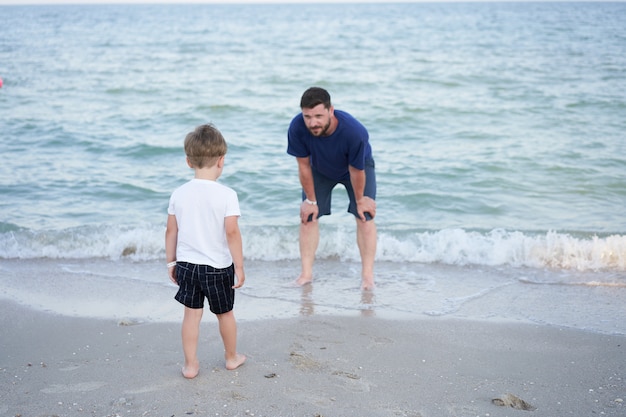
x=172 y=273
x=240 y=276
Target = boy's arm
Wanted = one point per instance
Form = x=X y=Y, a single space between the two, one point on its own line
x=235 y=245
x=171 y=239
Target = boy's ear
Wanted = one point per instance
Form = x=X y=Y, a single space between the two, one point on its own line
x=189 y=162
x=220 y=162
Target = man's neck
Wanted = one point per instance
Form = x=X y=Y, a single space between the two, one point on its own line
x=333 y=125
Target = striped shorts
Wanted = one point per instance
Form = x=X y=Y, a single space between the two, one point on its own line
x=195 y=282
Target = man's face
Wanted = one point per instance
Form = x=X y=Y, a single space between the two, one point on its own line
x=317 y=119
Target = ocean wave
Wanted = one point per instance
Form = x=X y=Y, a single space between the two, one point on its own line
x=498 y=247
x=514 y=248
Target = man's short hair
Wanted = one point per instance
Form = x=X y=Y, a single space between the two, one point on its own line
x=313 y=97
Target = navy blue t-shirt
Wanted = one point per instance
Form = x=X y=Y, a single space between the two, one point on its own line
x=331 y=155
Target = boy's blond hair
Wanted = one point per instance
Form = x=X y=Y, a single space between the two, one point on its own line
x=205 y=146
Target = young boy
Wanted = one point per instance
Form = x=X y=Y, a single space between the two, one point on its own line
x=203 y=247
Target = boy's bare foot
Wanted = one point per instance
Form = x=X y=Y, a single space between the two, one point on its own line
x=236 y=362
x=191 y=371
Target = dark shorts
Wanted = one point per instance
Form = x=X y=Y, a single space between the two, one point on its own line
x=198 y=281
x=324 y=187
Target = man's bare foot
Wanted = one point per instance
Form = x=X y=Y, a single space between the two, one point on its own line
x=191 y=371
x=303 y=280
x=367 y=284
x=236 y=362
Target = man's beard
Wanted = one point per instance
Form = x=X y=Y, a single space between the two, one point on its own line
x=323 y=131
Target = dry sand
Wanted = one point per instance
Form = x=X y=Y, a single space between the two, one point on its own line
x=53 y=365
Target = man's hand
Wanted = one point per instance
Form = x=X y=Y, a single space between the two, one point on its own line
x=308 y=212
x=366 y=205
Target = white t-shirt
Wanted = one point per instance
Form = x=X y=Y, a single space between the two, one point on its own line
x=200 y=207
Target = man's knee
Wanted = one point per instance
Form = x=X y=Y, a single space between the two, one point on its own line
x=366 y=226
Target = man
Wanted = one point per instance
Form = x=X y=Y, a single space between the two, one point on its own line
x=332 y=148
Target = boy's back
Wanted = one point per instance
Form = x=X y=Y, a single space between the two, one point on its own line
x=200 y=207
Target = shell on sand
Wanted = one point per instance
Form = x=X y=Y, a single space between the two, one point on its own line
x=510 y=400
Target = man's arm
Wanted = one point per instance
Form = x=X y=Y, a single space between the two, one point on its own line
x=307 y=210
x=364 y=204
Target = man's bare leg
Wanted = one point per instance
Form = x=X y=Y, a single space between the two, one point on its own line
x=309 y=240
x=366 y=240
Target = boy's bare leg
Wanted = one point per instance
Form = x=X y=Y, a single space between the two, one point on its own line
x=366 y=240
x=190 y=335
x=309 y=240
x=228 y=330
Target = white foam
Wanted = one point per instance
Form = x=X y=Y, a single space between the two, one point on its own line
x=552 y=249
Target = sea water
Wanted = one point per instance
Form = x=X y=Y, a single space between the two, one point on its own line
x=497 y=130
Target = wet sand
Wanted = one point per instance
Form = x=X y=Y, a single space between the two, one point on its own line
x=307 y=366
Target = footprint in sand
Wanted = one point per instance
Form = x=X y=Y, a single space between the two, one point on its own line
x=353 y=382
x=304 y=362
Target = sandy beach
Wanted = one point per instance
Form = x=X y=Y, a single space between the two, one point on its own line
x=497 y=131
x=308 y=366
